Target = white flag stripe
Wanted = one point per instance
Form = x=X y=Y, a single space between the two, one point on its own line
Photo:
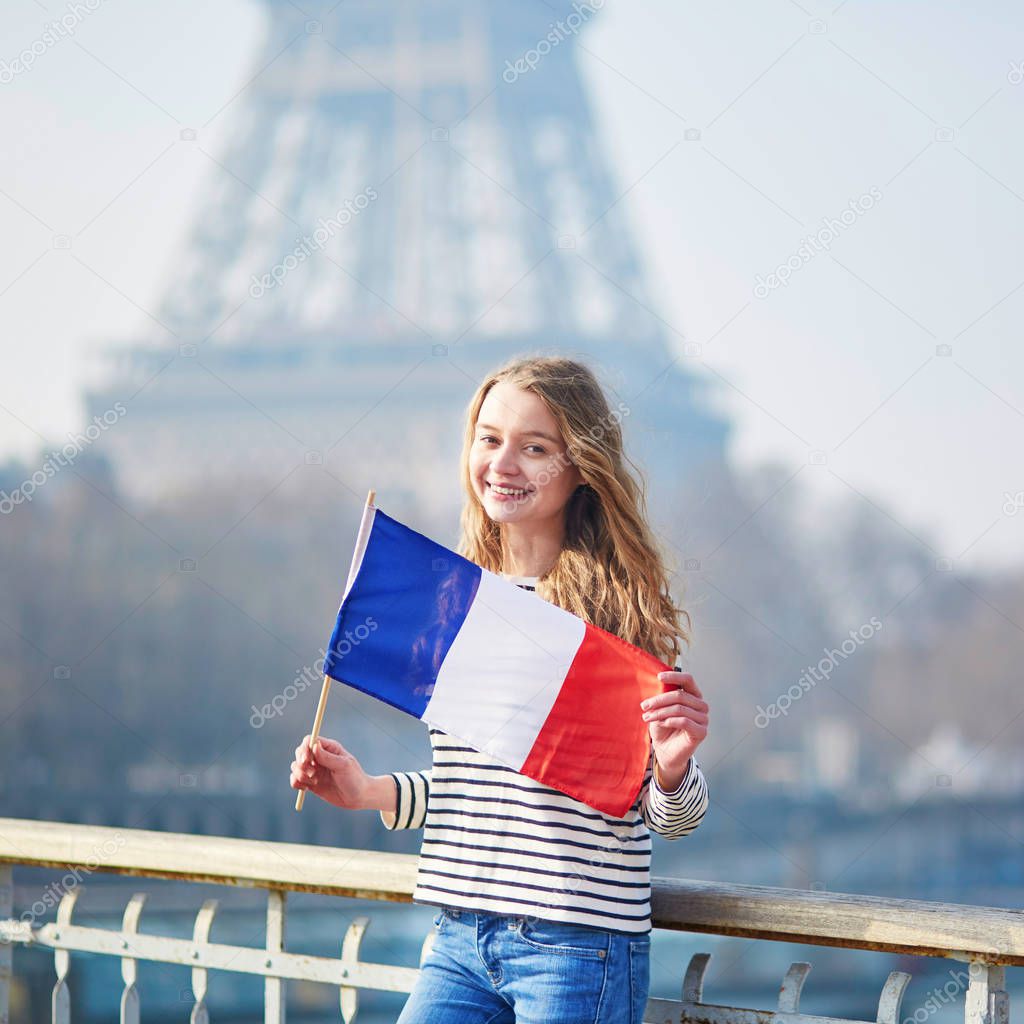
x=527 y=644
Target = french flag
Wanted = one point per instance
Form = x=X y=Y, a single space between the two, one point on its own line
x=506 y=672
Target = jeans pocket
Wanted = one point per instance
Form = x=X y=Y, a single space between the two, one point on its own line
x=562 y=939
x=439 y=920
x=639 y=978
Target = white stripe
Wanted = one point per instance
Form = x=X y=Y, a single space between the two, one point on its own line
x=500 y=678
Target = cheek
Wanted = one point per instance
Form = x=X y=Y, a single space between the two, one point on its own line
x=552 y=481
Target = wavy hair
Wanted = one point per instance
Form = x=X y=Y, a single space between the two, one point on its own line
x=610 y=571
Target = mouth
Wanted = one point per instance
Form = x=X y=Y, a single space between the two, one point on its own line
x=507 y=493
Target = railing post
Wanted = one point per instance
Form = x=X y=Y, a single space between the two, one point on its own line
x=200 y=978
x=274 y=988
x=987 y=1001
x=6 y=948
x=60 y=1001
x=129 y=967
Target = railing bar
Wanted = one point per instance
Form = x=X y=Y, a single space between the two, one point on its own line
x=218 y=957
x=916 y=927
x=274 y=988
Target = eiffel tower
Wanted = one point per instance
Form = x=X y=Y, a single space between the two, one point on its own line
x=414 y=191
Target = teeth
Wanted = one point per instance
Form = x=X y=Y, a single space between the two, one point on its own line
x=507 y=490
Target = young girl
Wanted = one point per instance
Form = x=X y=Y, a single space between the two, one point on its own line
x=544 y=903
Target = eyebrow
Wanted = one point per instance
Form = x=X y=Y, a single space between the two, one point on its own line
x=526 y=433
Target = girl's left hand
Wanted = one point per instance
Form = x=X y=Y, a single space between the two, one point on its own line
x=678 y=722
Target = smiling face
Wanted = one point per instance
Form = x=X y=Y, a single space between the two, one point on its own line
x=517 y=445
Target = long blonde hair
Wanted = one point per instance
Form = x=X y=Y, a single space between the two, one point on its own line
x=610 y=570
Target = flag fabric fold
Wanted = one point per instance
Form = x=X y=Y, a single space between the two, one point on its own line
x=498 y=667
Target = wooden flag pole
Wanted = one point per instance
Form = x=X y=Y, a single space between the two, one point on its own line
x=357 y=556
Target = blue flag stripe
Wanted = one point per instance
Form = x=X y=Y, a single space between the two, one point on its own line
x=397 y=623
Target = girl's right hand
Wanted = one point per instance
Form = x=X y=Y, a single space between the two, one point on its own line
x=331 y=773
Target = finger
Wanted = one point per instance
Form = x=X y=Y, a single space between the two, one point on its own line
x=685 y=725
x=332 y=746
x=675 y=697
x=682 y=697
x=682 y=679
x=676 y=711
x=329 y=759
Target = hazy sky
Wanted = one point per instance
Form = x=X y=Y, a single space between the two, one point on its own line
x=735 y=131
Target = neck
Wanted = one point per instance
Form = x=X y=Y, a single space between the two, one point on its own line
x=530 y=549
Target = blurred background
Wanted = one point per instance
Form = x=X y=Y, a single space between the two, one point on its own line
x=257 y=257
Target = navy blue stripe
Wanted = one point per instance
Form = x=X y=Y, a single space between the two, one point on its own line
x=532 y=870
x=438 y=763
x=503 y=851
x=537 y=839
x=543 y=823
x=617 y=900
x=503 y=800
x=412 y=799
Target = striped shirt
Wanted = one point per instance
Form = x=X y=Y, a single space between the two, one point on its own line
x=498 y=842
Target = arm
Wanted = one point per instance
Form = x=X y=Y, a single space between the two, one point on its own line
x=403 y=798
x=674 y=813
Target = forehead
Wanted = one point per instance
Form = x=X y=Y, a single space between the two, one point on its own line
x=515 y=409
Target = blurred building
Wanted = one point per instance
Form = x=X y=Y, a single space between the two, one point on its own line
x=413 y=192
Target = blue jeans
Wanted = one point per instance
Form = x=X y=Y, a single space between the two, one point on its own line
x=500 y=969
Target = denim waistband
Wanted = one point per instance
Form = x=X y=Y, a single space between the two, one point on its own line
x=513 y=921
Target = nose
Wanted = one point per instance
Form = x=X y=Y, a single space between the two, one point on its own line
x=504 y=462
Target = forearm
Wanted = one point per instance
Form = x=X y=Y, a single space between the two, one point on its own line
x=380 y=794
x=669 y=780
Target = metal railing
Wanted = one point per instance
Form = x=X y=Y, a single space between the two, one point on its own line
x=988 y=939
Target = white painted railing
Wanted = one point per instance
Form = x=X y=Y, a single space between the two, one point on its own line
x=987 y=938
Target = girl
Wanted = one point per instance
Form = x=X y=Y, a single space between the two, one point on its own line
x=544 y=903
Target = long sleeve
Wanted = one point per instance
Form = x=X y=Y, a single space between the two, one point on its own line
x=676 y=814
x=412 y=789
